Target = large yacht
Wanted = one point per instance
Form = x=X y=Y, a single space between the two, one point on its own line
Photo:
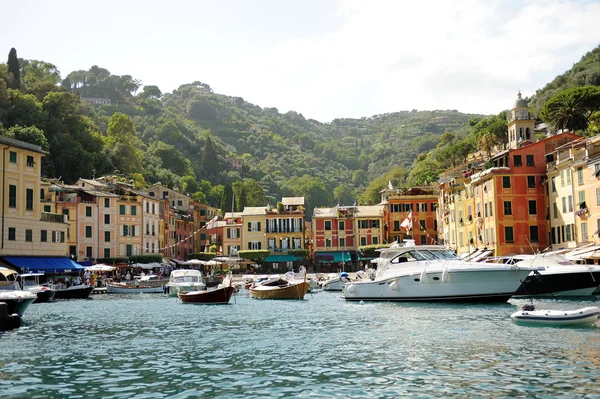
x=434 y=273
x=559 y=277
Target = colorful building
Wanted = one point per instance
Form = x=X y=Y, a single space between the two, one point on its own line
x=25 y=227
x=420 y=204
x=284 y=231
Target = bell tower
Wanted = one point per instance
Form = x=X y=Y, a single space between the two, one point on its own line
x=521 y=124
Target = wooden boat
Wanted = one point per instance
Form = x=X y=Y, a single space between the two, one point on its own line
x=131 y=289
x=219 y=295
x=584 y=316
x=280 y=289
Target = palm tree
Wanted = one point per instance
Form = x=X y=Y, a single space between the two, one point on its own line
x=571 y=109
x=566 y=112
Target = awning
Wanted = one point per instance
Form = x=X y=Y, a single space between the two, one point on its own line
x=43 y=265
x=333 y=257
x=281 y=258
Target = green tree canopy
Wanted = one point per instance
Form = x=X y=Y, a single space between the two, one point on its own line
x=571 y=109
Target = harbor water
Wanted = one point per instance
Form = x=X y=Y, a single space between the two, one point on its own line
x=153 y=346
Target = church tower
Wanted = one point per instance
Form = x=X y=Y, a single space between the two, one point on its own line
x=521 y=124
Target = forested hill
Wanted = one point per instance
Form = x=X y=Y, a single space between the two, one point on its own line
x=586 y=72
x=184 y=139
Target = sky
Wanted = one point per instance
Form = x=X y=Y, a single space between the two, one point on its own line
x=322 y=58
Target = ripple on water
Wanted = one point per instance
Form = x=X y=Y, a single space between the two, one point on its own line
x=155 y=347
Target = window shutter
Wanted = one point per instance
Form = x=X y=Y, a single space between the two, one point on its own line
x=249 y=226
x=259 y=243
x=228 y=233
x=237 y=233
x=259 y=227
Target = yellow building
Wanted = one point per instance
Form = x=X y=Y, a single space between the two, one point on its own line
x=232 y=236
x=561 y=194
x=254 y=228
x=26 y=228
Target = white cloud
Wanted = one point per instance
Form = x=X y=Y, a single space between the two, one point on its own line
x=360 y=58
x=392 y=55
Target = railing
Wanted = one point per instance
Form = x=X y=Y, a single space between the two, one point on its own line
x=283 y=230
x=52 y=217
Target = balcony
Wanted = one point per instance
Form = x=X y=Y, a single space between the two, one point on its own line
x=52 y=217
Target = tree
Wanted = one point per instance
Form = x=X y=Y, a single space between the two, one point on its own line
x=29 y=134
x=227 y=201
x=571 y=109
x=343 y=194
x=124 y=143
x=255 y=195
x=39 y=71
x=14 y=69
x=151 y=92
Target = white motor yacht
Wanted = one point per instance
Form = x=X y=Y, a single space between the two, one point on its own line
x=11 y=293
x=185 y=280
x=434 y=273
x=31 y=282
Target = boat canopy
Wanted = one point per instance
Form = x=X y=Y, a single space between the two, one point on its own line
x=6 y=272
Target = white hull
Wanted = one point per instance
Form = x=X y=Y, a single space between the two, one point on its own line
x=440 y=285
x=583 y=316
x=332 y=285
x=115 y=289
x=174 y=289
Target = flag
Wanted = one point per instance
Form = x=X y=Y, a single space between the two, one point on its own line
x=408 y=222
x=390 y=185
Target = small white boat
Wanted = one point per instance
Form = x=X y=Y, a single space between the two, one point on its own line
x=584 y=316
x=185 y=280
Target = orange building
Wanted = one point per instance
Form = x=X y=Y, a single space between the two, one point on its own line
x=420 y=203
x=500 y=203
x=510 y=196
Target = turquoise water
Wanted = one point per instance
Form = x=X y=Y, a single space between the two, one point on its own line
x=150 y=346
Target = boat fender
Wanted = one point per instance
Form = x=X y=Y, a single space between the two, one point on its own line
x=445 y=276
x=395 y=285
x=351 y=289
x=423 y=277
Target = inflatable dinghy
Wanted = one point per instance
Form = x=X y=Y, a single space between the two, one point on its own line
x=583 y=316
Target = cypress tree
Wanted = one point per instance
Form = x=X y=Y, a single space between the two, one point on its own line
x=14 y=69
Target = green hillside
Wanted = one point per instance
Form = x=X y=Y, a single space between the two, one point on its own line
x=184 y=139
x=586 y=72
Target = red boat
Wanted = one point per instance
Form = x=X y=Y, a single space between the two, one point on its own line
x=215 y=295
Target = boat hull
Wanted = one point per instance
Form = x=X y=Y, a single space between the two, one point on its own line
x=559 y=284
x=17 y=303
x=295 y=291
x=174 y=289
x=76 y=292
x=121 y=289
x=211 y=296
x=46 y=295
x=437 y=286
x=583 y=316
x=332 y=285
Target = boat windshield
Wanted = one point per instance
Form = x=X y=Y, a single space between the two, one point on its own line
x=187 y=279
x=416 y=255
